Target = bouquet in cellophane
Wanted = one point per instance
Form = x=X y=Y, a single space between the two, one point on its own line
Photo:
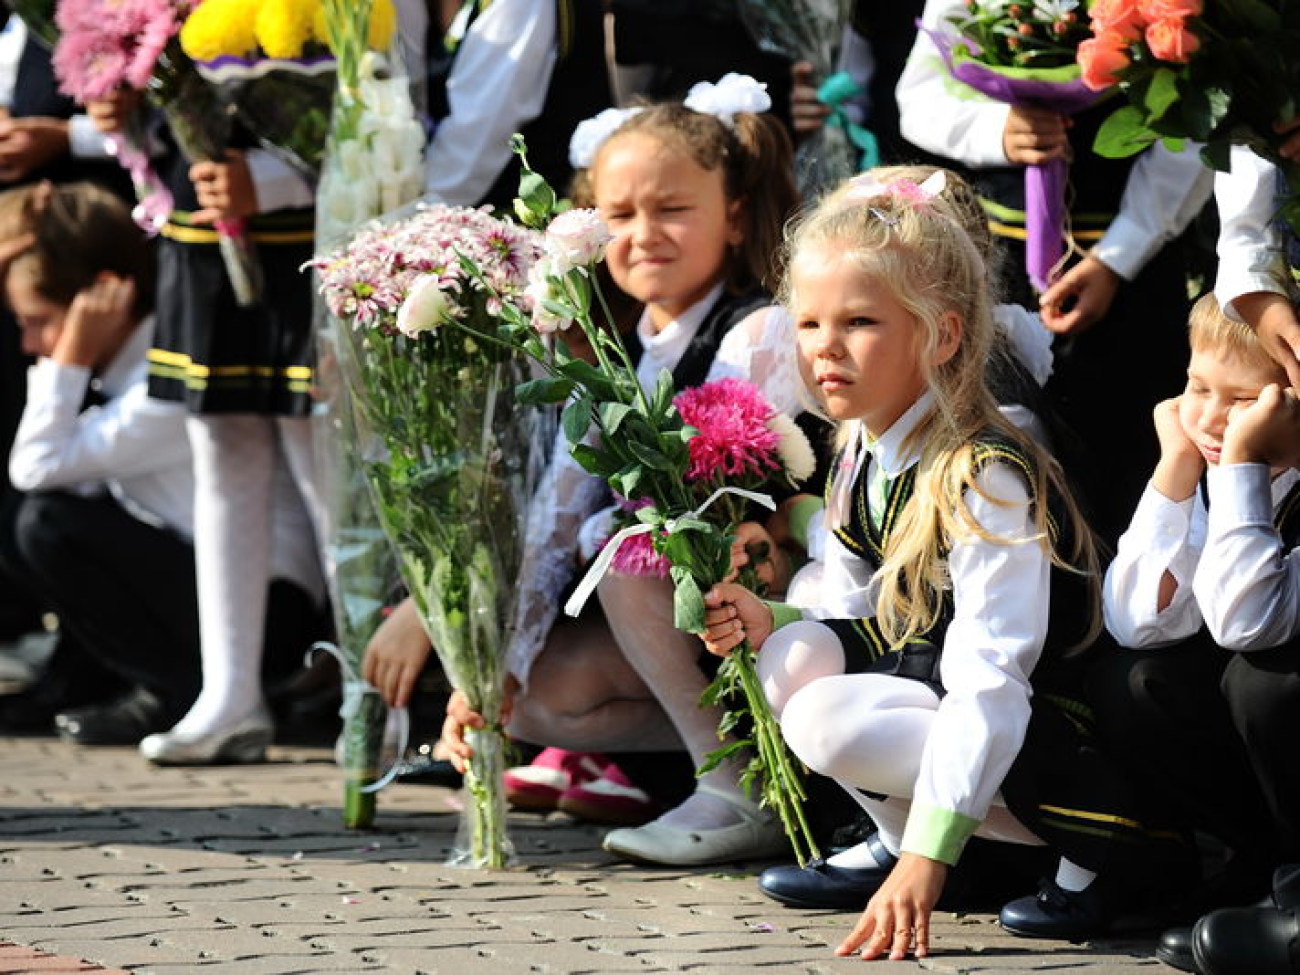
x=1218 y=73
x=105 y=45
x=456 y=456
x=812 y=31
x=698 y=458
x=1023 y=53
x=361 y=561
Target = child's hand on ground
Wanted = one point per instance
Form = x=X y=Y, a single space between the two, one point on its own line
x=460 y=717
x=773 y=564
x=1181 y=462
x=1032 y=136
x=225 y=189
x=732 y=614
x=97 y=323
x=1265 y=432
x=1080 y=298
x=1274 y=320
x=807 y=113
x=897 y=919
x=396 y=654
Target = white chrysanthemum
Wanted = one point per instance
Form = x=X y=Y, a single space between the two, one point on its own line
x=591 y=134
x=796 y=452
x=733 y=93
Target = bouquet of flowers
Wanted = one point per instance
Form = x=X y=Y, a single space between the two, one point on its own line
x=457 y=458
x=1219 y=73
x=1023 y=53
x=105 y=45
x=38 y=15
x=647 y=446
x=811 y=30
x=355 y=186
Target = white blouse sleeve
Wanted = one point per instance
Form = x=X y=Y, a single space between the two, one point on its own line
x=1247 y=586
x=1250 y=251
x=1164 y=536
x=567 y=496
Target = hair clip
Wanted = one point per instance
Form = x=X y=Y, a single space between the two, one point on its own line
x=733 y=93
x=888 y=219
x=592 y=133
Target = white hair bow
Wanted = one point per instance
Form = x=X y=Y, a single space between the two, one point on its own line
x=733 y=93
x=591 y=134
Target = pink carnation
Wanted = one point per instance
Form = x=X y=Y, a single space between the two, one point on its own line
x=734 y=437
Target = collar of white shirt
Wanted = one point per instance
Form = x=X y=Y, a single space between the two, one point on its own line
x=892 y=450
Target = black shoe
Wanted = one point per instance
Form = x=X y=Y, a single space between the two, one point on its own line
x=123 y=722
x=1247 y=941
x=823 y=885
x=1064 y=915
x=424 y=769
x=1175 y=949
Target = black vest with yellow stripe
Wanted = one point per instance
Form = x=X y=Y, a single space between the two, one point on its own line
x=866 y=648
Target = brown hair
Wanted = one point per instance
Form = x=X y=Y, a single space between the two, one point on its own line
x=757 y=163
x=77 y=231
x=1209 y=329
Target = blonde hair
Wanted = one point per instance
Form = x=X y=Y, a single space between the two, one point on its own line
x=1210 y=330
x=934 y=269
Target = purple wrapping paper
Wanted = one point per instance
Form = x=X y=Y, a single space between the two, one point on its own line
x=1044 y=184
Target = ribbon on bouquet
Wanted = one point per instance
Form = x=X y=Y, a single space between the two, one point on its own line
x=355 y=688
x=155 y=200
x=606 y=557
x=833 y=93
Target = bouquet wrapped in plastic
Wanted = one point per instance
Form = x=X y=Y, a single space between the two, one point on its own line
x=459 y=455
x=697 y=458
x=1024 y=54
x=1218 y=72
x=811 y=30
x=360 y=559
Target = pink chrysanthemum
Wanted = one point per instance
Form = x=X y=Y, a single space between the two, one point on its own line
x=734 y=438
x=636 y=556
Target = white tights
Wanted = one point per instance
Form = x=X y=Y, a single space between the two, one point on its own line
x=253 y=476
x=866 y=731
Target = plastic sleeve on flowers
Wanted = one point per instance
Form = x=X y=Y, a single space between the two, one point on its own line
x=802 y=512
x=277 y=185
x=783 y=614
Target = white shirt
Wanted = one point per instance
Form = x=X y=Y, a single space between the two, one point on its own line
x=1165 y=190
x=566 y=509
x=1000 y=614
x=1251 y=258
x=1173 y=536
x=498 y=84
x=84 y=140
x=133 y=446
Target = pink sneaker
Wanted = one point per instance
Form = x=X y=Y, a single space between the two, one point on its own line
x=611 y=798
x=539 y=786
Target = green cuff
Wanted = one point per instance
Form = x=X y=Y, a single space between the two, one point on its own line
x=802 y=512
x=783 y=613
x=939 y=834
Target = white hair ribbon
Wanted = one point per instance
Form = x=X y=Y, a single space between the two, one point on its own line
x=731 y=94
x=598 y=568
x=867 y=187
x=591 y=134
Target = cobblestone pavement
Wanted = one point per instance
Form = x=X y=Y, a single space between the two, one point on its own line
x=106 y=859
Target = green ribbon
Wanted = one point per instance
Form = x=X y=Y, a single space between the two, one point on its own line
x=832 y=93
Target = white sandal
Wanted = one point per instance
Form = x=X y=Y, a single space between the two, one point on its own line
x=758 y=835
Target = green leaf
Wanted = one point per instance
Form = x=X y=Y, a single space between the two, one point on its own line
x=715 y=758
x=548 y=389
x=576 y=420
x=651 y=457
x=1217 y=154
x=590 y=459
x=688 y=602
x=612 y=416
x=1162 y=92
x=1123 y=134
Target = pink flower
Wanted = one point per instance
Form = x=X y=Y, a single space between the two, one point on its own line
x=1155 y=10
x=1102 y=59
x=89 y=66
x=636 y=556
x=576 y=238
x=734 y=437
x=1170 y=40
x=1123 y=17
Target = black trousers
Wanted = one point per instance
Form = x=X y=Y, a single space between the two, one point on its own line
x=126 y=591
x=1214 y=731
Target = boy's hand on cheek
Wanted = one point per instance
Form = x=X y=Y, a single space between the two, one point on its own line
x=97 y=323
x=1181 y=464
x=1266 y=432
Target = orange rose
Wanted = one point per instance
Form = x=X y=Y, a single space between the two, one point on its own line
x=1170 y=40
x=1156 y=10
x=1122 y=17
x=1102 y=58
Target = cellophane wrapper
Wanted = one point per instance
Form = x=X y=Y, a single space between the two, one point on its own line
x=808 y=30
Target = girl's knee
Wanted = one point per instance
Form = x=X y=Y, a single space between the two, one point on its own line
x=795 y=656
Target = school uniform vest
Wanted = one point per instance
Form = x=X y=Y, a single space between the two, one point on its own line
x=867 y=650
x=579 y=89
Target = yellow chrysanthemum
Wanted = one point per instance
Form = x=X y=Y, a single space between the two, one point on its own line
x=284 y=26
x=218 y=27
x=383 y=22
